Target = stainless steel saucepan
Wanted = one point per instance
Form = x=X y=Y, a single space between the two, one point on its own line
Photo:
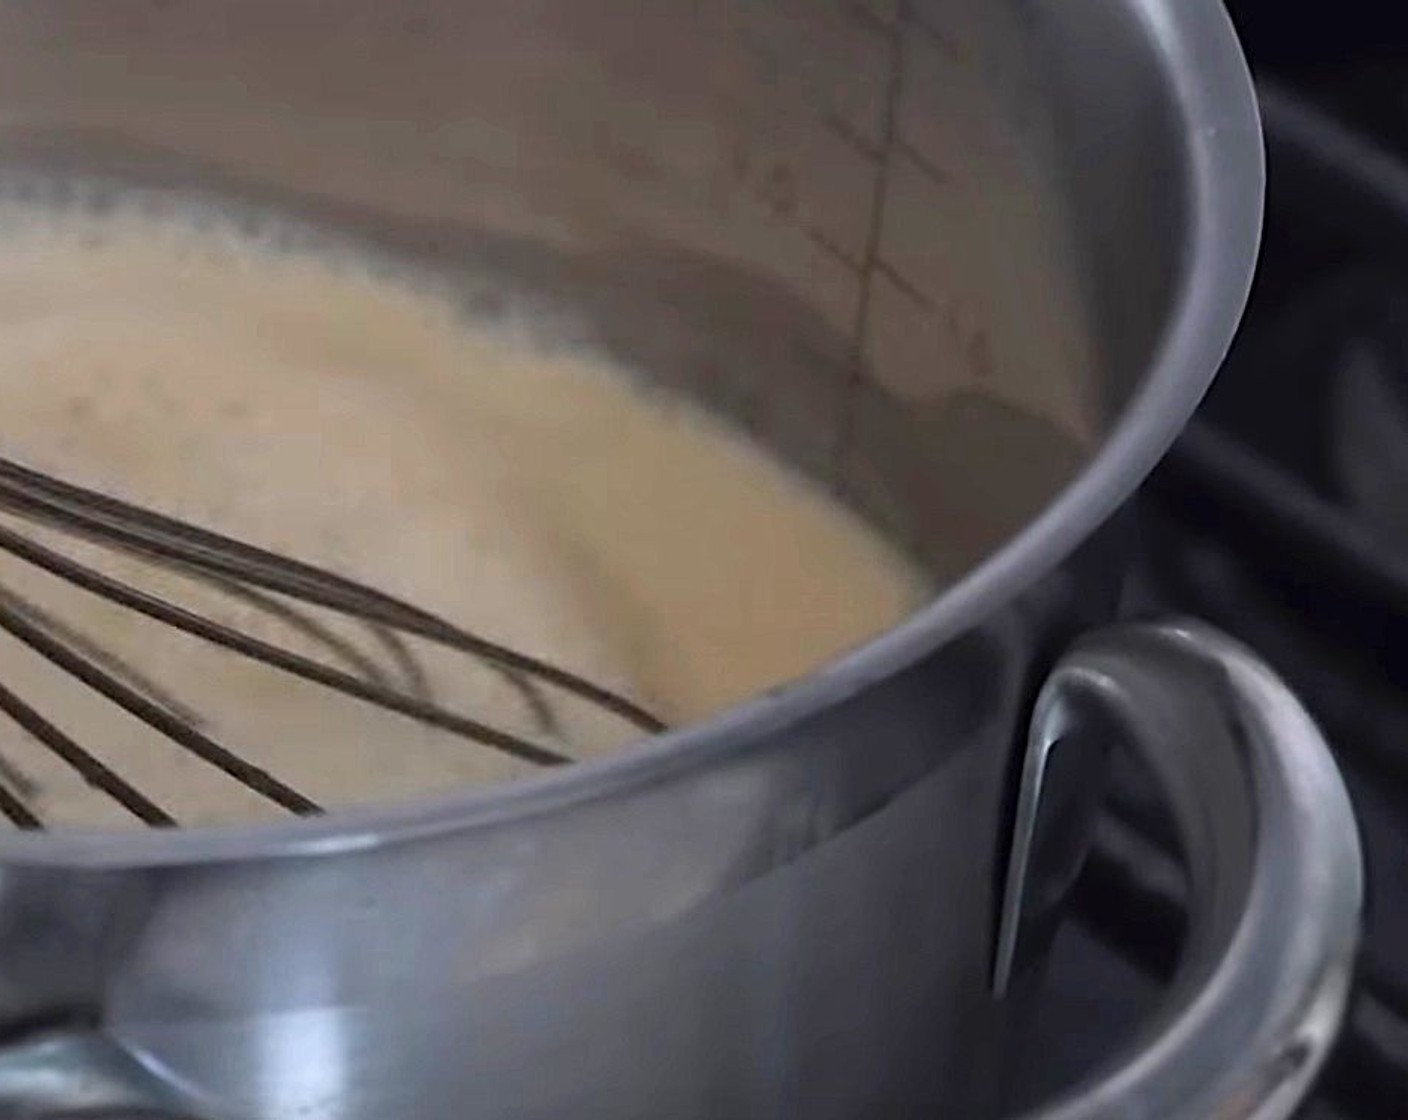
x=970 y=263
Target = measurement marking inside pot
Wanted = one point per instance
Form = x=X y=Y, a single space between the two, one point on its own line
x=921 y=162
x=884 y=268
x=880 y=266
x=881 y=154
x=826 y=245
x=846 y=131
x=874 y=229
x=868 y=149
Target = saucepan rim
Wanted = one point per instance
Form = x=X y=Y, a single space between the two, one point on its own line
x=1224 y=161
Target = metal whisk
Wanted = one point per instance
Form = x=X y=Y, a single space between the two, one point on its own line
x=274 y=583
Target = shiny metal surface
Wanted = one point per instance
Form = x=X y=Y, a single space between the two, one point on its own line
x=969 y=262
x=80 y=1073
x=1276 y=880
x=793 y=929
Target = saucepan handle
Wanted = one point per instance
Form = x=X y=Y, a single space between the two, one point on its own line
x=1275 y=881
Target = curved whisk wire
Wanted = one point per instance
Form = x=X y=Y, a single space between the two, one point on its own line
x=276 y=585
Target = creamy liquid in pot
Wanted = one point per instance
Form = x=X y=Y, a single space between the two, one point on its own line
x=309 y=403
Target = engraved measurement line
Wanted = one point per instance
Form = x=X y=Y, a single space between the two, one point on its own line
x=880 y=154
x=853 y=137
x=826 y=245
x=873 y=234
x=880 y=266
x=921 y=162
x=876 y=152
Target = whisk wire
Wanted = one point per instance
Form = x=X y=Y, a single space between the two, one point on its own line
x=153 y=715
x=111 y=520
x=123 y=594
x=16 y=811
x=264 y=580
x=92 y=770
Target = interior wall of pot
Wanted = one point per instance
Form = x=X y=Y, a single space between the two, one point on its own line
x=906 y=243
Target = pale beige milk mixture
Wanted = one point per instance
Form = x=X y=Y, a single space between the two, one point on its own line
x=523 y=489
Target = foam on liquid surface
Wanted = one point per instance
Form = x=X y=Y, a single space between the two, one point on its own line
x=526 y=490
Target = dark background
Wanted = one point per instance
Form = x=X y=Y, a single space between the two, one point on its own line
x=1309 y=32
x=1349 y=55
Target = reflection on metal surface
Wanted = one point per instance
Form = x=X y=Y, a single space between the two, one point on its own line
x=79 y=1074
x=1063 y=779
x=1275 y=873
